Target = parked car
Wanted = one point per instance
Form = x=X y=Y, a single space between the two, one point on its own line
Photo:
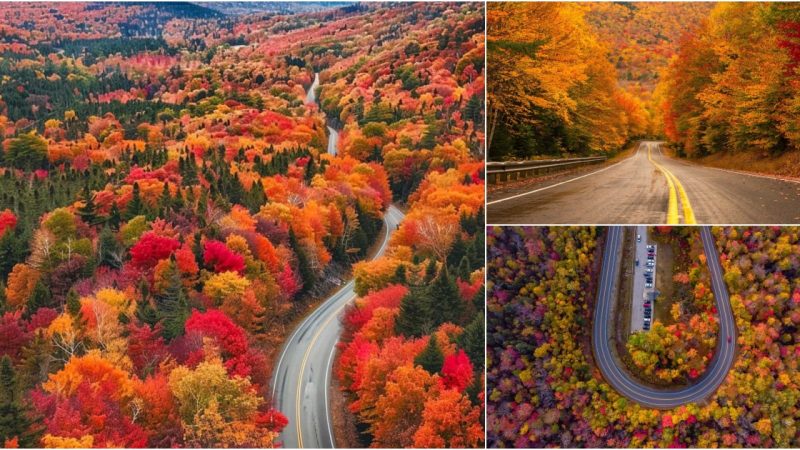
x=648 y=285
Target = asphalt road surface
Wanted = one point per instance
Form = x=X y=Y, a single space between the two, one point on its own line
x=333 y=141
x=621 y=380
x=302 y=376
x=649 y=188
x=311 y=95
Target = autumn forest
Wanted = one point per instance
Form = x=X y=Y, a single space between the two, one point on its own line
x=718 y=82
x=181 y=185
x=544 y=388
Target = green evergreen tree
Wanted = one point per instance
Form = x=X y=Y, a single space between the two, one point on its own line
x=414 y=318
x=135 y=206
x=40 y=298
x=311 y=170
x=172 y=305
x=400 y=275
x=73 y=304
x=88 y=212
x=464 y=269
x=165 y=201
x=479 y=300
x=3 y=299
x=114 y=217
x=472 y=340
x=303 y=265
x=448 y=305
x=430 y=271
x=432 y=358
x=14 y=422
x=457 y=251
x=109 y=250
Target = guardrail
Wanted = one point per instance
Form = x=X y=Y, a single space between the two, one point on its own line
x=498 y=172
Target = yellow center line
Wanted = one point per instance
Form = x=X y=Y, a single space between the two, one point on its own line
x=672 y=207
x=688 y=213
x=298 y=399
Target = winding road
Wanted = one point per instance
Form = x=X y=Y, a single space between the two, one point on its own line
x=648 y=187
x=602 y=341
x=302 y=375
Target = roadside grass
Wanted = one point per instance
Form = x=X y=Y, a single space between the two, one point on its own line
x=784 y=165
x=627 y=152
x=665 y=268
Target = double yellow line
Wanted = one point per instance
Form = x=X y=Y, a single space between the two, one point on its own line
x=672 y=207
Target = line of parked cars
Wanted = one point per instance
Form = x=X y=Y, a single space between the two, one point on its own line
x=649 y=273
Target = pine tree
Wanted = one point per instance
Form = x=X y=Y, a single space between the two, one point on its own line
x=40 y=298
x=88 y=212
x=432 y=358
x=172 y=305
x=165 y=201
x=479 y=300
x=472 y=341
x=114 y=217
x=414 y=318
x=464 y=270
x=430 y=271
x=400 y=275
x=3 y=300
x=73 y=304
x=303 y=264
x=311 y=170
x=14 y=422
x=135 y=206
x=448 y=307
x=109 y=250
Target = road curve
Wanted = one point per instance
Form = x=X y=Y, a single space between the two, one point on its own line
x=639 y=189
x=302 y=375
x=621 y=380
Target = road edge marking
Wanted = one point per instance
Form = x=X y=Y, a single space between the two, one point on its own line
x=672 y=205
x=552 y=185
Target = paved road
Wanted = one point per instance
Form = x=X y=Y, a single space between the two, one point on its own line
x=649 y=188
x=311 y=95
x=333 y=141
x=602 y=341
x=302 y=375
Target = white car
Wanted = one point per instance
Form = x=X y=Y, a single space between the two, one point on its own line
x=648 y=285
